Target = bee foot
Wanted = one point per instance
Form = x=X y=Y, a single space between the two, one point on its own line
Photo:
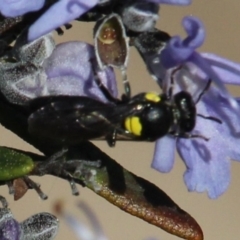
x=73 y=186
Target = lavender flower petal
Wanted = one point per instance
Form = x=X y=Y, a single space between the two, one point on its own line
x=10 y=230
x=164 y=154
x=172 y=2
x=204 y=66
x=9 y=227
x=61 y=12
x=70 y=72
x=208 y=163
x=178 y=51
x=81 y=230
x=205 y=174
x=43 y=69
x=15 y=8
x=229 y=71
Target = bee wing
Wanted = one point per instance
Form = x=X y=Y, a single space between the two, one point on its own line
x=71 y=120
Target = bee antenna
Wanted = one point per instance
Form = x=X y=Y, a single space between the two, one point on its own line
x=104 y=90
x=204 y=90
x=170 y=90
x=210 y=118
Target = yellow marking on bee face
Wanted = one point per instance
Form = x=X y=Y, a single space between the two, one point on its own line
x=152 y=97
x=133 y=125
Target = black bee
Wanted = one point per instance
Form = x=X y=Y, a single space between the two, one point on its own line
x=144 y=117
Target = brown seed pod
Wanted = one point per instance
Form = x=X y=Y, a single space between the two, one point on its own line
x=111 y=45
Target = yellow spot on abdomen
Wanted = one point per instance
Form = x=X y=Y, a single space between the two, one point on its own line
x=152 y=97
x=133 y=125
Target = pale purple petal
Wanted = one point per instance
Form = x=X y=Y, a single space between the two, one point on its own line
x=15 y=8
x=178 y=51
x=70 y=71
x=60 y=13
x=227 y=70
x=208 y=162
x=208 y=168
x=164 y=154
x=229 y=131
x=10 y=230
x=81 y=230
x=9 y=227
x=96 y=226
x=206 y=68
x=172 y=2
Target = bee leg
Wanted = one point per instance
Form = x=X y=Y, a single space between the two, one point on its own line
x=61 y=166
x=10 y=187
x=68 y=25
x=3 y=201
x=204 y=90
x=126 y=84
x=111 y=138
x=32 y=185
x=73 y=186
x=172 y=82
x=79 y=166
x=82 y=169
x=53 y=162
x=189 y=135
x=210 y=118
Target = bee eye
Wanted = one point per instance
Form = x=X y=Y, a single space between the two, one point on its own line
x=140 y=16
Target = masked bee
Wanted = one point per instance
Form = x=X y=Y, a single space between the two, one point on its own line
x=144 y=117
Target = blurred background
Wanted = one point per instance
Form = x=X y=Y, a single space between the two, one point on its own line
x=219 y=218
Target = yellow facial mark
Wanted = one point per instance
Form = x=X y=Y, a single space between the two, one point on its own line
x=133 y=125
x=152 y=97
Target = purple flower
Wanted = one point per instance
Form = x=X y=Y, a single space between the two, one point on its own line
x=172 y=2
x=66 y=69
x=207 y=162
x=81 y=230
x=62 y=12
x=9 y=227
x=14 y=8
x=71 y=71
x=38 y=226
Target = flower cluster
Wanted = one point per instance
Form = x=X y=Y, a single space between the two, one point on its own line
x=53 y=74
x=35 y=67
x=207 y=162
x=41 y=225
